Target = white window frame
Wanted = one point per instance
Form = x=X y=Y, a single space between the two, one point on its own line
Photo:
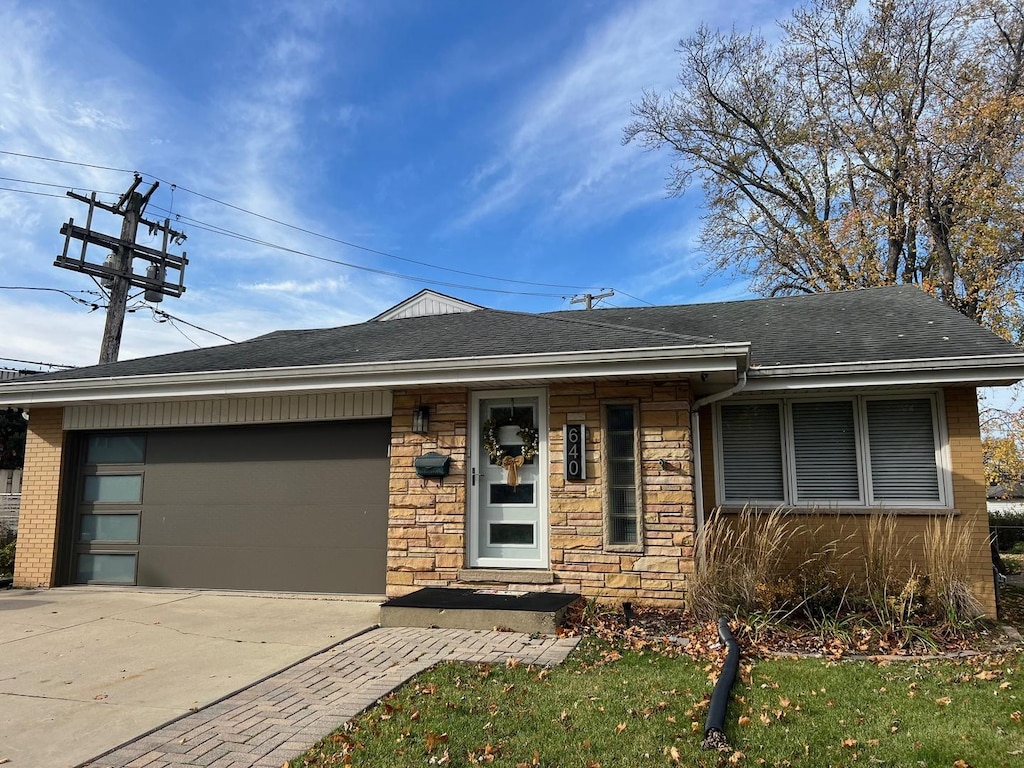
x=789 y=451
x=942 y=456
x=939 y=432
x=720 y=450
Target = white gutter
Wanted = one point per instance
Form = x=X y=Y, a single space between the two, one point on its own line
x=386 y=375
x=698 y=473
x=978 y=362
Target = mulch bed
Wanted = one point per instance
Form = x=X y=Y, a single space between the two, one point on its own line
x=674 y=633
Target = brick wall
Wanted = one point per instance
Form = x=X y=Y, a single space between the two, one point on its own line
x=426 y=527
x=427 y=518
x=961 y=405
x=655 y=571
x=35 y=565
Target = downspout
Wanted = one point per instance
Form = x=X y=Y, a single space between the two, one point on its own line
x=698 y=480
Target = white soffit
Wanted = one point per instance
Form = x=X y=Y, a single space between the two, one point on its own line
x=230 y=411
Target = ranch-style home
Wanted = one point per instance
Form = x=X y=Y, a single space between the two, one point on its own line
x=445 y=444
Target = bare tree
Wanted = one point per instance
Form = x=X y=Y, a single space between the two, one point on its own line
x=862 y=148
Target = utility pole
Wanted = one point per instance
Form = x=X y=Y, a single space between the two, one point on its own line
x=589 y=298
x=116 y=272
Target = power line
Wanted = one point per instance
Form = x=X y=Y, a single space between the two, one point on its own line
x=172 y=318
x=32 y=192
x=330 y=238
x=397 y=275
x=49 y=184
x=635 y=298
x=367 y=249
x=224 y=231
x=76 y=299
x=36 y=362
x=65 y=162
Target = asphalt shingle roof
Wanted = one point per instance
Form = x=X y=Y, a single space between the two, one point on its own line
x=892 y=323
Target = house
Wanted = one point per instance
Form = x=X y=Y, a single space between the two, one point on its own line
x=571 y=450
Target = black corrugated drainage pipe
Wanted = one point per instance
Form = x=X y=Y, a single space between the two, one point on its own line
x=714 y=727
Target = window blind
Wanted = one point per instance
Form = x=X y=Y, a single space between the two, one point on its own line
x=825 y=451
x=752 y=452
x=901 y=440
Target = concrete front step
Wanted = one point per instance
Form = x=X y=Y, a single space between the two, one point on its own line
x=480 y=609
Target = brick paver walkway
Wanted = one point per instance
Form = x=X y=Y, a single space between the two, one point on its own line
x=275 y=720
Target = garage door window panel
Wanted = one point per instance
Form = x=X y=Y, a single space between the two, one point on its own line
x=106 y=568
x=112 y=489
x=112 y=528
x=116 y=449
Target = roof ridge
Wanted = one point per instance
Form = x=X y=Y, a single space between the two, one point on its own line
x=570 y=316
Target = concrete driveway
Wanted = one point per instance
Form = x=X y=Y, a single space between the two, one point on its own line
x=83 y=669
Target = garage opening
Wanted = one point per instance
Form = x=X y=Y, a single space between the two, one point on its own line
x=288 y=507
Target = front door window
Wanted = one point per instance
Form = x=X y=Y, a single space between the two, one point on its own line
x=509 y=503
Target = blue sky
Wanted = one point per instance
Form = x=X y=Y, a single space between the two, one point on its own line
x=480 y=137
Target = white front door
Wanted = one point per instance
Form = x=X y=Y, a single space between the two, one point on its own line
x=508 y=521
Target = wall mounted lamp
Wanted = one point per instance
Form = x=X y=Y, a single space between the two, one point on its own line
x=421 y=420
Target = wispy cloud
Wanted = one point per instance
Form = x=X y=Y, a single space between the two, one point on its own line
x=561 y=146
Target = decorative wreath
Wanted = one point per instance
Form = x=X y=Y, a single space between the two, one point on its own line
x=496 y=451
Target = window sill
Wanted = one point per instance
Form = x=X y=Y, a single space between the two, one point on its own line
x=735 y=509
x=624 y=549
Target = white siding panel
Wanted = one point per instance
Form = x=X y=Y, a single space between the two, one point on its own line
x=249 y=410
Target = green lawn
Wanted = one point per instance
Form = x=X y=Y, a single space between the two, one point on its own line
x=605 y=709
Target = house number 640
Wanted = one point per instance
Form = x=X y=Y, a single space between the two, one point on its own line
x=575 y=452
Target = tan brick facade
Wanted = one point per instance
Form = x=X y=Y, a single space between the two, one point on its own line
x=427 y=519
x=427 y=523
x=968 y=480
x=35 y=565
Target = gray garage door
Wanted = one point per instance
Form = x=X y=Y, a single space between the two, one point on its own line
x=297 y=507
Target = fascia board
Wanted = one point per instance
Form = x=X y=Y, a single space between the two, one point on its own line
x=451 y=371
x=908 y=373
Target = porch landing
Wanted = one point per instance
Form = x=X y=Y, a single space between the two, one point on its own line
x=485 y=609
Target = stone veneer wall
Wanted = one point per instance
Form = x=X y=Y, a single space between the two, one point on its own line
x=35 y=564
x=654 y=571
x=427 y=520
x=961 y=406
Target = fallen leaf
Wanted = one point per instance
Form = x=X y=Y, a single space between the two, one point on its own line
x=620 y=727
x=851 y=743
x=766 y=718
x=744 y=721
x=945 y=701
x=1016 y=716
x=961 y=764
x=434 y=739
x=737 y=757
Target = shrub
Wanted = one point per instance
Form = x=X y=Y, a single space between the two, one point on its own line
x=741 y=561
x=946 y=547
x=8 y=543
